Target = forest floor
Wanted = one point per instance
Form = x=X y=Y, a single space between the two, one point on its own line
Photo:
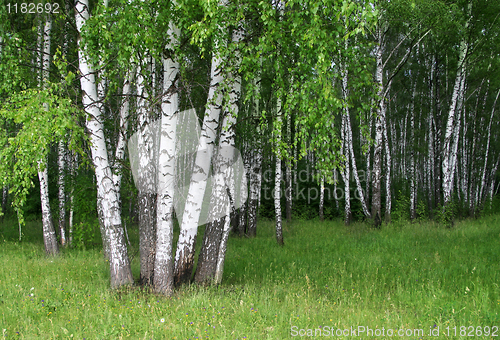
x=327 y=279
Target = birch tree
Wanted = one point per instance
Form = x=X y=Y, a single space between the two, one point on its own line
x=49 y=234
x=164 y=264
x=121 y=273
x=213 y=251
x=184 y=255
x=451 y=131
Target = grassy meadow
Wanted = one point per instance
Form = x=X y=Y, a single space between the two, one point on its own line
x=328 y=276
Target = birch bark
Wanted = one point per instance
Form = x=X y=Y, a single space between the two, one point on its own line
x=147 y=182
x=62 y=195
x=255 y=167
x=164 y=264
x=379 y=126
x=278 y=175
x=482 y=192
x=184 y=255
x=349 y=140
x=213 y=252
x=322 y=198
x=120 y=272
x=49 y=235
x=413 y=188
x=288 y=172
x=449 y=154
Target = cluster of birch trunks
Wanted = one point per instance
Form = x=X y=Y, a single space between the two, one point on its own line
x=431 y=134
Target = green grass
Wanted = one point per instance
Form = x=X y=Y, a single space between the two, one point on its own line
x=415 y=276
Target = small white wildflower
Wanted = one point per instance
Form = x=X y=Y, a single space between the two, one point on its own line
x=162 y=320
x=32 y=288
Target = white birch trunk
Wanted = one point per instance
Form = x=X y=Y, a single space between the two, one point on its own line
x=278 y=175
x=184 y=255
x=73 y=162
x=464 y=161
x=346 y=173
x=448 y=165
x=219 y=270
x=255 y=163
x=350 y=142
x=368 y=158
x=49 y=235
x=413 y=186
x=430 y=134
x=322 y=198
x=213 y=251
x=164 y=264
x=482 y=192
x=147 y=181
x=121 y=273
x=288 y=172
x=379 y=133
x=62 y=195
x=122 y=133
x=227 y=141
x=454 y=146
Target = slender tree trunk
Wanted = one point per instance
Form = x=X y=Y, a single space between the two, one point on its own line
x=430 y=140
x=62 y=195
x=73 y=162
x=413 y=184
x=164 y=264
x=255 y=164
x=122 y=132
x=322 y=198
x=438 y=139
x=211 y=259
x=227 y=143
x=350 y=143
x=219 y=270
x=243 y=212
x=482 y=192
x=368 y=154
x=451 y=132
x=278 y=175
x=288 y=172
x=379 y=133
x=120 y=271
x=388 y=178
x=346 y=174
x=184 y=255
x=255 y=187
x=49 y=235
x=147 y=181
